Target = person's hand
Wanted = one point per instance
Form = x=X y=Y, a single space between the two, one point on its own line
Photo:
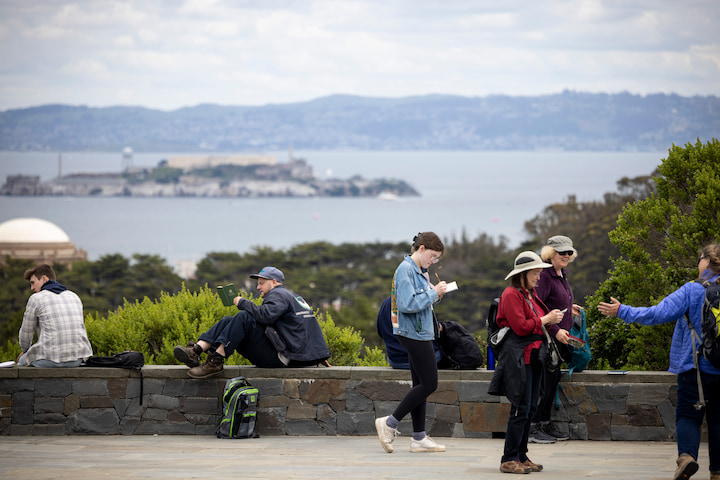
x=577 y=310
x=325 y=363
x=236 y=300
x=609 y=309
x=18 y=358
x=440 y=288
x=562 y=336
x=553 y=317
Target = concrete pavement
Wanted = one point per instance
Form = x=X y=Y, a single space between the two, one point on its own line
x=324 y=457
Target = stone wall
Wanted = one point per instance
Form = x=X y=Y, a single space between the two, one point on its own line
x=318 y=401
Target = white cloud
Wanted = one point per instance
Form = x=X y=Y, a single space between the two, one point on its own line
x=249 y=53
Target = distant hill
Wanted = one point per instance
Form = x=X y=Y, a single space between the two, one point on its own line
x=565 y=121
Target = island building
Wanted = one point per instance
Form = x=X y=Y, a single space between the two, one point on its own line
x=192 y=162
x=38 y=240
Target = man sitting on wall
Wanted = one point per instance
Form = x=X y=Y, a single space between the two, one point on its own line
x=56 y=314
x=283 y=331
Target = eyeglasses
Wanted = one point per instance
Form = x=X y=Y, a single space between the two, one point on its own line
x=701 y=259
x=434 y=258
x=569 y=252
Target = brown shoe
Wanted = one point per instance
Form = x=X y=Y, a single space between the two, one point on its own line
x=189 y=355
x=687 y=466
x=714 y=475
x=212 y=366
x=514 y=466
x=534 y=467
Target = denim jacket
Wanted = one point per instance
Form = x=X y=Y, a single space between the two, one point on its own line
x=415 y=297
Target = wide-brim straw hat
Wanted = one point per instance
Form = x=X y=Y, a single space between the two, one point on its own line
x=527 y=261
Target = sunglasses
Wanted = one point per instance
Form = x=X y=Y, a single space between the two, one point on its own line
x=569 y=252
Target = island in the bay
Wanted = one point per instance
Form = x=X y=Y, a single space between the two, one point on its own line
x=210 y=176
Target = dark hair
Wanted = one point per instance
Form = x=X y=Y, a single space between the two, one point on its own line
x=39 y=271
x=430 y=240
x=520 y=280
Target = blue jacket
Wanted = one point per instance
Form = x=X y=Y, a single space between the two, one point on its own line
x=688 y=298
x=414 y=297
x=397 y=356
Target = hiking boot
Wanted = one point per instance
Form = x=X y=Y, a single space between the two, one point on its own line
x=212 y=366
x=514 y=466
x=534 y=467
x=714 y=475
x=189 y=355
x=550 y=429
x=427 y=444
x=385 y=433
x=687 y=466
x=538 y=436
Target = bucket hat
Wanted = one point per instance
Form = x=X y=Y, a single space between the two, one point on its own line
x=527 y=261
x=561 y=243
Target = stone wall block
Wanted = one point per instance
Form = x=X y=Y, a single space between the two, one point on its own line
x=384 y=408
x=299 y=409
x=117 y=387
x=52 y=387
x=578 y=431
x=180 y=388
x=200 y=405
x=448 y=413
x=357 y=402
x=379 y=390
x=321 y=391
x=70 y=404
x=271 y=421
x=644 y=394
x=300 y=427
x=48 y=405
x=129 y=425
x=155 y=414
x=268 y=387
x=164 y=402
x=609 y=398
x=475 y=391
x=438 y=428
x=45 y=418
x=50 y=429
x=598 y=426
x=197 y=419
x=175 y=416
x=101 y=421
x=90 y=387
x=667 y=412
x=484 y=417
x=291 y=388
x=356 y=423
x=165 y=428
x=9 y=387
x=338 y=405
x=96 y=402
x=273 y=401
x=446 y=393
x=619 y=419
x=23 y=405
x=327 y=419
x=644 y=416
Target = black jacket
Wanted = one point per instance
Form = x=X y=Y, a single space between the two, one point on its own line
x=294 y=320
x=509 y=376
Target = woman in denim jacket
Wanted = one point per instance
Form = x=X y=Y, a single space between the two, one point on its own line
x=686 y=303
x=413 y=296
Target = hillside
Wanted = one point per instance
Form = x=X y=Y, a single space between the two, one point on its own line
x=566 y=121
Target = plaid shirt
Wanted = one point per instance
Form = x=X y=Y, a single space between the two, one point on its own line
x=58 y=320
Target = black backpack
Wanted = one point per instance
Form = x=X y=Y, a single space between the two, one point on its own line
x=128 y=359
x=238 y=417
x=460 y=348
x=710 y=321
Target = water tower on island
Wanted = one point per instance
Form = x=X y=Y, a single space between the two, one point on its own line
x=127 y=156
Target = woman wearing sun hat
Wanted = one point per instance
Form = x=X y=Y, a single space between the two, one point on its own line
x=553 y=288
x=521 y=359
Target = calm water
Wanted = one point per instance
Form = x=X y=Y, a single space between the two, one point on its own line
x=475 y=192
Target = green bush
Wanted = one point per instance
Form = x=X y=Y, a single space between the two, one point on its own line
x=155 y=327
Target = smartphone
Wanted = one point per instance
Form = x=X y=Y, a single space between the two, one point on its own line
x=563 y=310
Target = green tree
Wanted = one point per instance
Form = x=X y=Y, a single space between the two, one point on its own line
x=659 y=239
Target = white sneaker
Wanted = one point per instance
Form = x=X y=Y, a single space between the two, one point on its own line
x=385 y=433
x=427 y=444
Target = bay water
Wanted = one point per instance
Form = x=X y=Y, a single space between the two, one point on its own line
x=461 y=192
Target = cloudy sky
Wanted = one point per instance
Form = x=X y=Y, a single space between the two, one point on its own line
x=170 y=54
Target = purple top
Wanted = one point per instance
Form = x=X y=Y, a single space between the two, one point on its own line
x=555 y=292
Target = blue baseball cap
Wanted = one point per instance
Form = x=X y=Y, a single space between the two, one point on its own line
x=270 y=273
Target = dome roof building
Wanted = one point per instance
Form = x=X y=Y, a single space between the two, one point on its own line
x=38 y=240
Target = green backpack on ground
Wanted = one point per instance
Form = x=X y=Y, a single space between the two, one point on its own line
x=238 y=417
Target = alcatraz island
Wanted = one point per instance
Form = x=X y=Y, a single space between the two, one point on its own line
x=209 y=176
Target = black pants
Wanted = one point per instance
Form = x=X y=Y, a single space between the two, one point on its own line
x=423 y=370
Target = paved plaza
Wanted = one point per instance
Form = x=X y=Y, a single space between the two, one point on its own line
x=326 y=457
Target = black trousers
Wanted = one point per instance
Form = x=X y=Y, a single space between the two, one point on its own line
x=424 y=373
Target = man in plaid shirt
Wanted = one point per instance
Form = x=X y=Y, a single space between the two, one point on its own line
x=56 y=314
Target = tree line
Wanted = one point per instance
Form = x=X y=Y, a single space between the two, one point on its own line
x=637 y=243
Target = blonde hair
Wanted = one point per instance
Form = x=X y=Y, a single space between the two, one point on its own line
x=547 y=252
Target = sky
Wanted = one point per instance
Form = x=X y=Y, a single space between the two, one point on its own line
x=169 y=54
